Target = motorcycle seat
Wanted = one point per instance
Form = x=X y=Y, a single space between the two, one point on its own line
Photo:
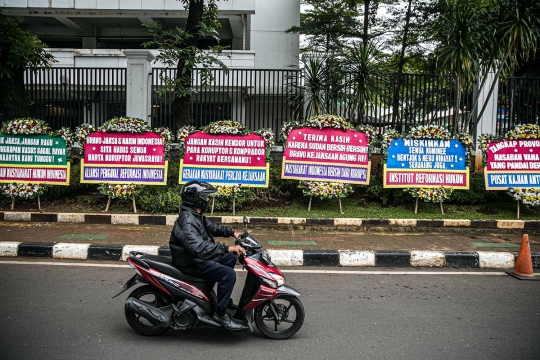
x=165 y=265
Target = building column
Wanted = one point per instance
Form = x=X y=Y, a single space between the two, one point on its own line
x=138 y=85
x=488 y=123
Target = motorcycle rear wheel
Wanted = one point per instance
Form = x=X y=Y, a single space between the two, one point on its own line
x=151 y=296
x=290 y=312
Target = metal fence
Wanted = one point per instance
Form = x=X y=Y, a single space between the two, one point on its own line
x=256 y=98
x=397 y=100
x=266 y=98
x=68 y=97
x=518 y=103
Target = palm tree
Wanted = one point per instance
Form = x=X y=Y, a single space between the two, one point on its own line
x=360 y=64
x=462 y=31
x=518 y=33
x=320 y=90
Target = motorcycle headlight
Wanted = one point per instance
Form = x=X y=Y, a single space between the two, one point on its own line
x=278 y=281
x=270 y=283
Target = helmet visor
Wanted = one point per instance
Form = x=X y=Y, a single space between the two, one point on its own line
x=207 y=193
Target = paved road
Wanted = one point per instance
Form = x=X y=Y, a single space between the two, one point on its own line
x=66 y=312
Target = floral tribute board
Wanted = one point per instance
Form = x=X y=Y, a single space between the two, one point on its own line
x=428 y=162
x=32 y=157
x=327 y=155
x=227 y=155
x=122 y=156
x=512 y=163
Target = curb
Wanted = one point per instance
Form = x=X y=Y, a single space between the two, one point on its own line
x=134 y=219
x=357 y=258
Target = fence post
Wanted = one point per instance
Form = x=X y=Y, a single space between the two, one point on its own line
x=488 y=123
x=137 y=84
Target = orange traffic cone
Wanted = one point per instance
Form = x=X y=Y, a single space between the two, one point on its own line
x=524 y=266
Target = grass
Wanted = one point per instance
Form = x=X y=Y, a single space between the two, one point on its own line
x=502 y=210
x=355 y=207
x=283 y=199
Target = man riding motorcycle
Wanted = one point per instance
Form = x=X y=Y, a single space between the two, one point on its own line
x=195 y=252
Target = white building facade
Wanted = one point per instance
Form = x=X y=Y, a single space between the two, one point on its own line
x=88 y=37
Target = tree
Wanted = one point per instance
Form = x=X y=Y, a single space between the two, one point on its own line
x=360 y=63
x=319 y=91
x=463 y=32
x=19 y=50
x=407 y=39
x=327 y=24
x=336 y=78
x=371 y=23
x=517 y=33
x=179 y=48
x=529 y=67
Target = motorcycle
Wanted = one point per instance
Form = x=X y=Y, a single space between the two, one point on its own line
x=171 y=299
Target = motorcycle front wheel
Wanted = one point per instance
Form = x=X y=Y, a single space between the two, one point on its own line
x=151 y=296
x=290 y=317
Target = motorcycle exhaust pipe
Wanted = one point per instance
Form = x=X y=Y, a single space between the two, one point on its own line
x=152 y=314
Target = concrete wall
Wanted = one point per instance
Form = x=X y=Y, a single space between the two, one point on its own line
x=275 y=49
x=114 y=58
x=260 y=30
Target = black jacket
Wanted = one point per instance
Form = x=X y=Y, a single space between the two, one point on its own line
x=191 y=239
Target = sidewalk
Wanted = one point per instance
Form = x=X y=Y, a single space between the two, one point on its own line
x=290 y=242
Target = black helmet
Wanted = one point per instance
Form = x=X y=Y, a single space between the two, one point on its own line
x=194 y=194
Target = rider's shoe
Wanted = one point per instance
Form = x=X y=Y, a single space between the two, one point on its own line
x=232 y=305
x=226 y=322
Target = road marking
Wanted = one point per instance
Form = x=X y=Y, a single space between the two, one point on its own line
x=489 y=244
x=427 y=258
x=9 y=248
x=390 y=272
x=83 y=236
x=492 y=260
x=356 y=258
x=291 y=243
x=55 y=263
x=337 y=272
x=287 y=257
x=70 y=251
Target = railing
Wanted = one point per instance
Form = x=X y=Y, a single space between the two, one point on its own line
x=518 y=103
x=68 y=97
x=267 y=98
x=397 y=100
x=256 y=98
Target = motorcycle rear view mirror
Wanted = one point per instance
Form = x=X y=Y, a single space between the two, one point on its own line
x=248 y=242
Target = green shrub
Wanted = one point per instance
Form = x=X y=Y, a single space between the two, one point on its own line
x=391 y=196
x=160 y=199
x=173 y=173
x=60 y=191
x=166 y=199
x=477 y=193
x=225 y=204
x=284 y=188
x=278 y=190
